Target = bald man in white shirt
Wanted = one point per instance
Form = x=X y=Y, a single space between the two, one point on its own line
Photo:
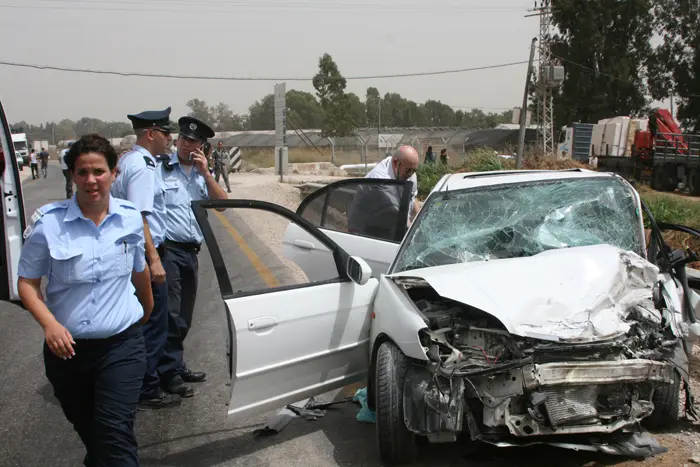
x=401 y=166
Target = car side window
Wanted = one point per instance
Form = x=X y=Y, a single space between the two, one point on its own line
x=368 y=207
x=261 y=251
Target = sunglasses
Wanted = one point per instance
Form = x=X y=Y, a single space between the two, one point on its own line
x=161 y=130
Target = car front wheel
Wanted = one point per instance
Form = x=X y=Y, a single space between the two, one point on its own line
x=396 y=443
x=666 y=401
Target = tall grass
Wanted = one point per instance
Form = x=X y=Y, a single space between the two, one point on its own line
x=672 y=209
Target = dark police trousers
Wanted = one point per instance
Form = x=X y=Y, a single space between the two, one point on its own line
x=99 y=391
x=155 y=335
x=181 y=268
x=69 y=183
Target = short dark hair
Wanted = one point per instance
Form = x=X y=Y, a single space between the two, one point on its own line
x=91 y=143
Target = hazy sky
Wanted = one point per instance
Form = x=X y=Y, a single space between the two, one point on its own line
x=269 y=38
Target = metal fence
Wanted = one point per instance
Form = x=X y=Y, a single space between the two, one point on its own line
x=371 y=145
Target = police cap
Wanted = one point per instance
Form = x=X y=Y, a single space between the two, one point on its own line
x=193 y=128
x=151 y=119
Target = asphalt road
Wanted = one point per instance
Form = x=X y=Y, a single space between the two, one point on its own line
x=33 y=431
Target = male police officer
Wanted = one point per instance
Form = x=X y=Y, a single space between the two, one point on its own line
x=186 y=178
x=139 y=182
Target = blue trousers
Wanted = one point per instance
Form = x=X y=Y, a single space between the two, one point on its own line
x=155 y=335
x=99 y=391
x=181 y=268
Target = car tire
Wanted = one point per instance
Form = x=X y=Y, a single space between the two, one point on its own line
x=666 y=400
x=694 y=182
x=396 y=444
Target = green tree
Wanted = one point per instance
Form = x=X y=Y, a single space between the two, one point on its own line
x=200 y=110
x=675 y=67
x=88 y=125
x=439 y=114
x=605 y=46
x=225 y=120
x=330 y=89
x=372 y=103
x=303 y=109
x=261 y=115
x=358 y=111
x=116 y=129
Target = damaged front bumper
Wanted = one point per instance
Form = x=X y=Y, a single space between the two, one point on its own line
x=559 y=398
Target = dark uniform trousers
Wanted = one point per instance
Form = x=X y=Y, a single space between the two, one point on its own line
x=181 y=268
x=69 y=183
x=155 y=335
x=99 y=391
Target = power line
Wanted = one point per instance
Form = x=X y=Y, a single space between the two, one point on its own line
x=302 y=4
x=235 y=8
x=232 y=78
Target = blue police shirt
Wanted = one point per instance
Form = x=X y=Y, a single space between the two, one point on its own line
x=89 y=288
x=180 y=191
x=138 y=181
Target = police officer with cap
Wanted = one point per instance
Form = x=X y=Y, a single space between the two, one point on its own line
x=186 y=178
x=139 y=182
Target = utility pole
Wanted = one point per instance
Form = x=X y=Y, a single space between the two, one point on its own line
x=523 y=109
x=379 y=125
x=545 y=118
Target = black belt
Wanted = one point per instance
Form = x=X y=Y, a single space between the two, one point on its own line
x=161 y=250
x=188 y=247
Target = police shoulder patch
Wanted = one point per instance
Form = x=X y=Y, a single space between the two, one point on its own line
x=39 y=213
x=149 y=162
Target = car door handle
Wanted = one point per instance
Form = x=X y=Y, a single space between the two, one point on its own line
x=257 y=324
x=304 y=244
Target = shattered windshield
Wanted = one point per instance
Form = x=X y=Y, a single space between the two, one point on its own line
x=524 y=219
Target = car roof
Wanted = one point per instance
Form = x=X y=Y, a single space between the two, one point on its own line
x=459 y=181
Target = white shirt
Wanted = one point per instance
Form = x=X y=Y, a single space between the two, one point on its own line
x=383 y=169
x=33 y=159
x=64 y=166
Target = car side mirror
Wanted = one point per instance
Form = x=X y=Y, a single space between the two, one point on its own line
x=358 y=270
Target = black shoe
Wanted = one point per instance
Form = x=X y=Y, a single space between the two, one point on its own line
x=190 y=376
x=177 y=386
x=228 y=189
x=162 y=401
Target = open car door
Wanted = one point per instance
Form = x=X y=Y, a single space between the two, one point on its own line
x=289 y=337
x=366 y=217
x=13 y=219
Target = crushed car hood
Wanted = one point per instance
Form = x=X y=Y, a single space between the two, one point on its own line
x=573 y=294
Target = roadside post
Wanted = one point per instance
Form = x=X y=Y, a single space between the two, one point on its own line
x=281 y=152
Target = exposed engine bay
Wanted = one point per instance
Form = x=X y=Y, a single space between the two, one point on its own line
x=494 y=385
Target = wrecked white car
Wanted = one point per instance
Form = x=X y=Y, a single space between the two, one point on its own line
x=520 y=307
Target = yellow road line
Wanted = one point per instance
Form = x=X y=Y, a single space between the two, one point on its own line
x=254 y=259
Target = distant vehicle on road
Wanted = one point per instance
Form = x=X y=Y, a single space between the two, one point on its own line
x=21 y=146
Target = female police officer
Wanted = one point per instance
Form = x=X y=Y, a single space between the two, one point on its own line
x=91 y=248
